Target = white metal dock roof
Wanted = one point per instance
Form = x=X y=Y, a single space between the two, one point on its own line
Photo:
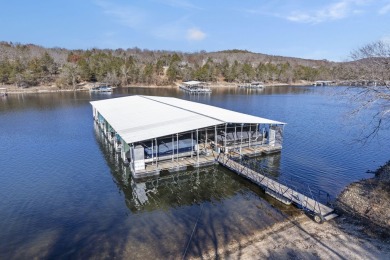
x=192 y=82
x=139 y=118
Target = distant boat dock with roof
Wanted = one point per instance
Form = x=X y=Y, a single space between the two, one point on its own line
x=195 y=87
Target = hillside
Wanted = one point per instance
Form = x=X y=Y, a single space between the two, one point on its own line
x=26 y=65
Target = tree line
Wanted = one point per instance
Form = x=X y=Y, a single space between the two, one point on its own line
x=27 y=65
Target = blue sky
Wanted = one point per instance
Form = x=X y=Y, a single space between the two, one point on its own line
x=314 y=29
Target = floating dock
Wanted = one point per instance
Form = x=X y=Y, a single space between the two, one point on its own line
x=252 y=85
x=322 y=83
x=195 y=87
x=164 y=133
x=153 y=134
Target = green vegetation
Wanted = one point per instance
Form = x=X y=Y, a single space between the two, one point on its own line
x=31 y=65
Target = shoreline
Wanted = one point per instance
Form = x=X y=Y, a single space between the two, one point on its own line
x=12 y=89
x=362 y=231
x=302 y=238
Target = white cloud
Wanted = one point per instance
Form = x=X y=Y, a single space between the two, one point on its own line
x=385 y=9
x=194 y=34
x=335 y=11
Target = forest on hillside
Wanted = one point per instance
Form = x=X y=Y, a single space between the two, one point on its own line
x=26 y=65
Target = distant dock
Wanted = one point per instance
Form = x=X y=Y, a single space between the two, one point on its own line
x=195 y=87
x=252 y=85
x=322 y=83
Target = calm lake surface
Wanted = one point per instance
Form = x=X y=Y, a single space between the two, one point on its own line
x=64 y=196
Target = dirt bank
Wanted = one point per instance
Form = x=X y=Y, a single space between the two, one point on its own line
x=369 y=201
x=362 y=231
x=305 y=239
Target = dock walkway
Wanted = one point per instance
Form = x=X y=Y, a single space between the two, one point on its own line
x=279 y=191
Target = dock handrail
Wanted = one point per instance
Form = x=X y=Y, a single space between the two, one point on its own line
x=283 y=192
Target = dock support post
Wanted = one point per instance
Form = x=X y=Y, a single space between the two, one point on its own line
x=215 y=140
x=197 y=146
x=152 y=153
x=225 y=134
x=205 y=141
x=131 y=157
x=177 y=155
x=257 y=131
x=123 y=153
x=250 y=134
x=156 y=152
x=242 y=125
x=173 y=148
x=192 y=143
x=235 y=135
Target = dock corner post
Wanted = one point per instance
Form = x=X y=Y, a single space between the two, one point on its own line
x=132 y=157
x=192 y=143
x=152 y=152
x=215 y=140
x=197 y=146
x=177 y=150
x=250 y=134
x=156 y=152
x=225 y=135
x=173 y=148
x=235 y=136
x=205 y=140
x=242 y=126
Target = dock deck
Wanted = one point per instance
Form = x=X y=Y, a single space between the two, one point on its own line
x=205 y=159
x=279 y=191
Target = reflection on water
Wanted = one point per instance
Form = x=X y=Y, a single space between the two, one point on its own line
x=191 y=187
x=65 y=196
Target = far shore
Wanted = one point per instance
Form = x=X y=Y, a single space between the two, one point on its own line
x=13 y=89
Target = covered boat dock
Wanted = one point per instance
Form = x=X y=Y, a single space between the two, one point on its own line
x=164 y=133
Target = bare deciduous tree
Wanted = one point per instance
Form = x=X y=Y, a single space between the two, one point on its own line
x=374 y=60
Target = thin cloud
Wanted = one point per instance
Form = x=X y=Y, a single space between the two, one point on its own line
x=385 y=39
x=170 y=32
x=336 y=11
x=126 y=15
x=385 y=10
x=194 y=34
x=179 y=4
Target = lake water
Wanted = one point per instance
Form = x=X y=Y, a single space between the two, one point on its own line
x=64 y=196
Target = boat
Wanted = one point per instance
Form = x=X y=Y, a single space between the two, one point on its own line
x=102 y=88
x=195 y=87
x=252 y=85
x=3 y=92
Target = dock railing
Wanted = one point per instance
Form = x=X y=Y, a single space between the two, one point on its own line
x=279 y=189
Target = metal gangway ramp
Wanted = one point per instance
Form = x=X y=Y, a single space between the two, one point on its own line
x=283 y=193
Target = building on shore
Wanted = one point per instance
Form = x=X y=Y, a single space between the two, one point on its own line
x=164 y=133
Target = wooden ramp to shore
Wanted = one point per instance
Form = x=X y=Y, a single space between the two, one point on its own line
x=279 y=191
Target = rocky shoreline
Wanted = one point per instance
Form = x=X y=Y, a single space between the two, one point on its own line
x=362 y=231
x=368 y=201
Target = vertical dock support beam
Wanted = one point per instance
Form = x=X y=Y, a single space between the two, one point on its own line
x=215 y=140
x=197 y=146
